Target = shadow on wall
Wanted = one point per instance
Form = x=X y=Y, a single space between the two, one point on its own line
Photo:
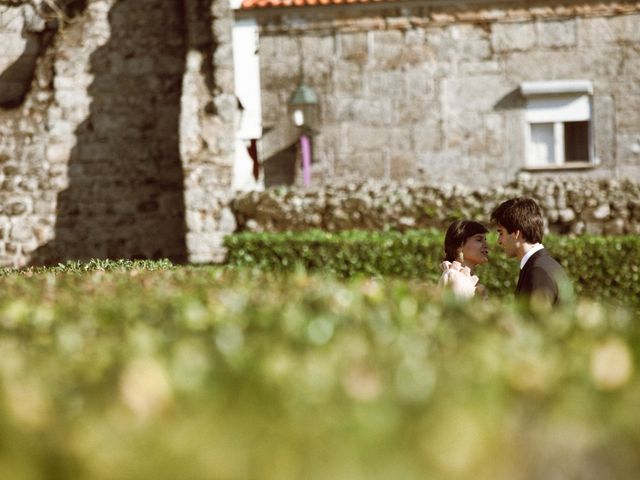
x=280 y=169
x=125 y=193
x=15 y=80
x=511 y=101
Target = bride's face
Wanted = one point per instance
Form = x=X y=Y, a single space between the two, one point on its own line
x=475 y=250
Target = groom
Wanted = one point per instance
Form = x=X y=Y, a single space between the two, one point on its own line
x=520 y=229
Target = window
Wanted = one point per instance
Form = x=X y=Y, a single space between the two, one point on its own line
x=558 y=128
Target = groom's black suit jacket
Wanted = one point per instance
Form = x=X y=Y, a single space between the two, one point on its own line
x=540 y=275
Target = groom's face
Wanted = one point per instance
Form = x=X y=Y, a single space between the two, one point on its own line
x=508 y=241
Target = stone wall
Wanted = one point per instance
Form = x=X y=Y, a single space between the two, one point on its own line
x=571 y=206
x=118 y=148
x=430 y=90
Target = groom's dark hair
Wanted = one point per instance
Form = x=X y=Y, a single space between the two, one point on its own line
x=522 y=214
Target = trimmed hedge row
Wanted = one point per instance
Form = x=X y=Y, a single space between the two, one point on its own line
x=202 y=373
x=605 y=268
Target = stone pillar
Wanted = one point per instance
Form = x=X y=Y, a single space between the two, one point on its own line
x=207 y=128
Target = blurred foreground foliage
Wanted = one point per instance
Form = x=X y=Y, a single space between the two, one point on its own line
x=602 y=268
x=208 y=373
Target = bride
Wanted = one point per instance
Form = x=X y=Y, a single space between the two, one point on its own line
x=465 y=247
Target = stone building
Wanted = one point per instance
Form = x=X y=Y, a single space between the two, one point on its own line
x=126 y=126
x=470 y=92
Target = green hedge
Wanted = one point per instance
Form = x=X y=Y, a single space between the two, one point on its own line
x=605 y=268
x=202 y=373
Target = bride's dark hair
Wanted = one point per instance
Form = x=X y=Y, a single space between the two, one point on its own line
x=458 y=233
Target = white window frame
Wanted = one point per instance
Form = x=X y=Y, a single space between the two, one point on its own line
x=556 y=103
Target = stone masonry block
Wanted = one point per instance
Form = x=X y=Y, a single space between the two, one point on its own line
x=496 y=139
x=440 y=44
x=372 y=164
x=33 y=22
x=390 y=84
x=390 y=52
x=373 y=22
x=222 y=28
x=329 y=140
x=631 y=65
x=361 y=111
x=484 y=14
x=269 y=45
x=507 y=37
x=317 y=73
x=598 y=30
x=319 y=48
x=418 y=82
x=360 y=137
x=480 y=68
x=415 y=109
x=11 y=20
x=354 y=46
x=13 y=44
x=71 y=98
x=61 y=82
x=478 y=93
x=279 y=72
x=5 y=62
x=59 y=153
x=21 y=231
x=628 y=109
x=626 y=27
x=595 y=31
x=473 y=42
x=223 y=56
x=545 y=65
x=415 y=36
x=628 y=119
x=427 y=136
x=554 y=34
x=604 y=123
x=225 y=79
x=398 y=23
x=272 y=108
x=475 y=50
x=289 y=46
x=628 y=148
x=348 y=78
x=403 y=165
x=461 y=131
x=605 y=62
x=199 y=242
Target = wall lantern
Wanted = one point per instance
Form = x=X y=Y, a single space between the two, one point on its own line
x=303 y=106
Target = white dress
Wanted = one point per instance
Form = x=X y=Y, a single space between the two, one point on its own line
x=458 y=279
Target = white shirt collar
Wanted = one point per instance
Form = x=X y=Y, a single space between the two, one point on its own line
x=535 y=248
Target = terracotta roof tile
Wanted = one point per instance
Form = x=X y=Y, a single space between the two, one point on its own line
x=254 y=4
